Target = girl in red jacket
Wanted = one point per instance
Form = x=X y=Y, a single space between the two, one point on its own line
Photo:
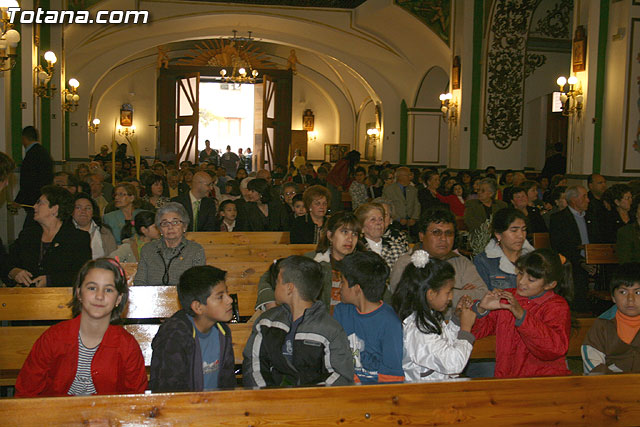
x=87 y=355
x=531 y=322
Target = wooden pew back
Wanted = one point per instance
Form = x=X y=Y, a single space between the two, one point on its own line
x=541 y=240
x=600 y=253
x=207 y=238
x=592 y=400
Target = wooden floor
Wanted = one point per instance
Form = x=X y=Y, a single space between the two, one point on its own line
x=590 y=401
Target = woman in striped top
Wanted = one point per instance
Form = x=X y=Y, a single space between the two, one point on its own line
x=87 y=354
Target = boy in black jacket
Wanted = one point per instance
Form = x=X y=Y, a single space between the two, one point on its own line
x=192 y=350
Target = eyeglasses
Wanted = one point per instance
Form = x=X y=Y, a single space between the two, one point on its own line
x=439 y=233
x=290 y=193
x=175 y=223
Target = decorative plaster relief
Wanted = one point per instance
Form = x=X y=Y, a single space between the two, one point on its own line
x=506 y=64
x=436 y=14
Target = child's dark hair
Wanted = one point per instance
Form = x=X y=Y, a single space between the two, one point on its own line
x=340 y=219
x=225 y=203
x=196 y=283
x=304 y=273
x=503 y=219
x=297 y=198
x=142 y=219
x=274 y=271
x=411 y=294
x=367 y=269
x=547 y=265
x=625 y=275
x=120 y=281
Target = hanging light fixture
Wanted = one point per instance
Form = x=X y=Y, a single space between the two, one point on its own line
x=9 y=38
x=572 y=99
x=241 y=69
x=94 y=125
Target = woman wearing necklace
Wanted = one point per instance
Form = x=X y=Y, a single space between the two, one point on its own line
x=135 y=237
x=51 y=252
x=496 y=264
x=162 y=261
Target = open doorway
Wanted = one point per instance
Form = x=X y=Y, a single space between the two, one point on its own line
x=226 y=115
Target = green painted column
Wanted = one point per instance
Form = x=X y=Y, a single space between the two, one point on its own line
x=404 y=134
x=601 y=68
x=45 y=103
x=476 y=81
x=16 y=111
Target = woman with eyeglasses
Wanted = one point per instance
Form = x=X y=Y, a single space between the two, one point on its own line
x=162 y=261
x=127 y=207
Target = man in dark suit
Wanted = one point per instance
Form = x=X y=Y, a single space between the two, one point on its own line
x=200 y=207
x=569 y=229
x=36 y=171
x=597 y=211
x=556 y=164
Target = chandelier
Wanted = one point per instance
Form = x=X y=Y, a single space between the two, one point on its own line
x=238 y=58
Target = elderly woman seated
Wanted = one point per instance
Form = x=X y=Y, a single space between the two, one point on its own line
x=162 y=261
x=372 y=218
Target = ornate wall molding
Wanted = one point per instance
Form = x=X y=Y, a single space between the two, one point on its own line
x=533 y=61
x=506 y=64
x=555 y=23
x=435 y=14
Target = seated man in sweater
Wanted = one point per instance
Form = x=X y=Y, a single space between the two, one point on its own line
x=437 y=232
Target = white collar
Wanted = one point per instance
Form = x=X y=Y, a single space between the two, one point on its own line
x=373 y=244
x=493 y=250
x=323 y=256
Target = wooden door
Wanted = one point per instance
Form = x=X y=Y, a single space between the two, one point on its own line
x=266 y=159
x=187 y=117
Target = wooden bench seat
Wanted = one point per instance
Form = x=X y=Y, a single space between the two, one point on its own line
x=239 y=237
x=242 y=253
x=600 y=253
x=576 y=400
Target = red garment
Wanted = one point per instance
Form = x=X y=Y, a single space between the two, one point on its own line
x=535 y=348
x=339 y=175
x=117 y=366
x=456 y=206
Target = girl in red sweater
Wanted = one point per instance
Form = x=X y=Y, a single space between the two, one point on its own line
x=87 y=354
x=531 y=322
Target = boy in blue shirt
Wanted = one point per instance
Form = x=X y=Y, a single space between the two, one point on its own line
x=192 y=350
x=373 y=328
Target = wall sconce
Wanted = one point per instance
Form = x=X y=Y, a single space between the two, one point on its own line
x=572 y=99
x=43 y=76
x=9 y=38
x=94 y=125
x=71 y=97
x=126 y=131
x=449 y=108
x=371 y=144
x=312 y=136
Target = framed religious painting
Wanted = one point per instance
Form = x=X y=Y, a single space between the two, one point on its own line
x=126 y=115
x=579 y=50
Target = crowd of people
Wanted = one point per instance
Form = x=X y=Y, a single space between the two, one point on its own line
x=394 y=291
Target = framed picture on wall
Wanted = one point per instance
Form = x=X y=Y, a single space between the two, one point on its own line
x=334 y=152
x=579 y=50
x=126 y=115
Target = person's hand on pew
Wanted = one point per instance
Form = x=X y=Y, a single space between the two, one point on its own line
x=40 y=281
x=589 y=268
x=21 y=276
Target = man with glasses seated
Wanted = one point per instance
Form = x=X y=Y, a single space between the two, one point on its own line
x=437 y=232
x=162 y=261
x=201 y=209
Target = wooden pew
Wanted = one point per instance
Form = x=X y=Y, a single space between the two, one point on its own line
x=541 y=240
x=145 y=302
x=239 y=238
x=600 y=253
x=591 y=400
x=242 y=253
